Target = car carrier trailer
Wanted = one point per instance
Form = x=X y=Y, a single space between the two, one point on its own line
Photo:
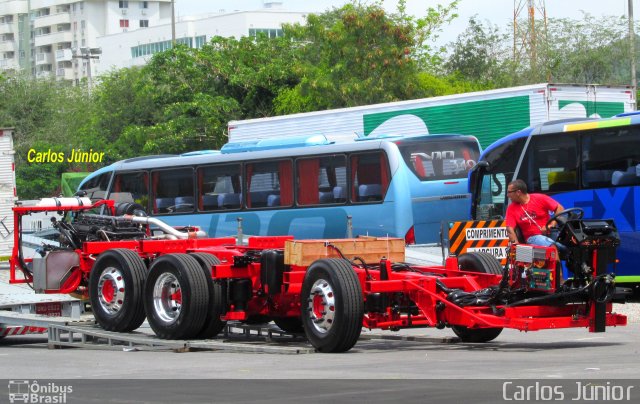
x=188 y=286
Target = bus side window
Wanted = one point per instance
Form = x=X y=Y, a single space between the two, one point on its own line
x=318 y=178
x=215 y=183
x=369 y=177
x=131 y=187
x=175 y=185
x=268 y=180
x=611 y=157
x=96 y=188
x=550 y=164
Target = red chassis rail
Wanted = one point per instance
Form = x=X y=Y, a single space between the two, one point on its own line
x=387 y=297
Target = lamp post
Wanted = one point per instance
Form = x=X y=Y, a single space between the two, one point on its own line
x=173 y=23
x=88 y=54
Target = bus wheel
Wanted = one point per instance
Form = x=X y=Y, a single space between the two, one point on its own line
x=289 y=324
x=217 y=297
x=115 y=290
x=481 y=263
x=332 y=305
x=176 y=298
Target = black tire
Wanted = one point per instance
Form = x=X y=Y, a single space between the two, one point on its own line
x=116 y=290
x=484 y=263
x=476 y=334
x=289 y=324
x=332 y=282
x=130 y=208
x=217 y=297
x=172 y=315
x=480 y=262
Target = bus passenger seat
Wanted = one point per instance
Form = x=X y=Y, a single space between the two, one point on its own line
x=340 y=194
x=370 y=192
x=163 y=204
x=273 y=200
x=184 y=203
x=625 y=178
x=209 y=202
x=325 y=197
x=229 y=201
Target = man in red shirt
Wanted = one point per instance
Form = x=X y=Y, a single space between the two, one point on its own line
x=530 y=212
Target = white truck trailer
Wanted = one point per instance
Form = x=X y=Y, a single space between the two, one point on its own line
x=487 y=115
x=7 y=191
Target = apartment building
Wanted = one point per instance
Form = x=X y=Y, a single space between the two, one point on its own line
x=14 y=34
x=57 y=37
x=72 y=40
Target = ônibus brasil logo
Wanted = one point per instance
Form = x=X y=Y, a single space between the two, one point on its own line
x=25 y=391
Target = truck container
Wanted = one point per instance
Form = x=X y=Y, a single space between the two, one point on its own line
x=487 y=115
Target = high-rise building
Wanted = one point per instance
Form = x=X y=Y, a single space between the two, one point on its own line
x=72 y=40
x=14 y=35
x=54 y=37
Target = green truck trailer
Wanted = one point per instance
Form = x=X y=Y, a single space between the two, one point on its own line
x=487 y=115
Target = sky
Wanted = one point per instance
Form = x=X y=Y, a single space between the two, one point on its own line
x=498 y=12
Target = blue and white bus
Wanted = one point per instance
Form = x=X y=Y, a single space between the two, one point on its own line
x=305 y=187
x=593 y=164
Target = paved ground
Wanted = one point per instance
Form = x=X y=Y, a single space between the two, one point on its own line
x=386 y=366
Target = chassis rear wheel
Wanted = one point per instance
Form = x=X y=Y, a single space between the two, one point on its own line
x=486 y=264
x=176 y=297
x=332 y=305
x=116 y=290
x=217 y=297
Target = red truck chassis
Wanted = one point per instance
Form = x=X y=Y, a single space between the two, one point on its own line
x=189 y=286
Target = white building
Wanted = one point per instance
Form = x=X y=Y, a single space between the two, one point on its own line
x=13 y=17
x=71 y=40
x=46 y=36
x=135 y=48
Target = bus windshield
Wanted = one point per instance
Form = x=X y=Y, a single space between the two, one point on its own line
x=439 y=160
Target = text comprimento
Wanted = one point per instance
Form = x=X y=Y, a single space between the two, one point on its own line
x=486 y=233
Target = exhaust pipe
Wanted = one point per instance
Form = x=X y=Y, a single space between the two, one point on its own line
x=165 y=227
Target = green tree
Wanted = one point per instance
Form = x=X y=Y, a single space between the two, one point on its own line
x=193 y=93
x=46 y=114
x=482 y=55
x=359 y=54
x=597 y=51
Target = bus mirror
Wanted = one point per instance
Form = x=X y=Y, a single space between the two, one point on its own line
x=482 y=164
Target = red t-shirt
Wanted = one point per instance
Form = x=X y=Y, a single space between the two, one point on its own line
x=531 y=216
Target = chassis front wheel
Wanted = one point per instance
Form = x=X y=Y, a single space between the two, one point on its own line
x=486 y=264
x=476 y=334
x=332 y=305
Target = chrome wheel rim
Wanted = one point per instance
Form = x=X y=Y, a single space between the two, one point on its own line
x=167 y=298
x=111 y=290
x=321 y=306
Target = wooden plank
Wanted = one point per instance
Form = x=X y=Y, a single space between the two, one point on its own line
x=370 y=249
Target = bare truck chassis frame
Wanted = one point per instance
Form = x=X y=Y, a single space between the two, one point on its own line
x=188 y=286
